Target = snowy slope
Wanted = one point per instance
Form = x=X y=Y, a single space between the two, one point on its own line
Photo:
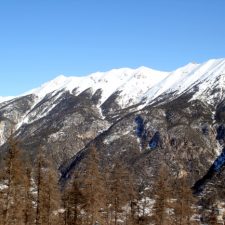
x=211 y=86
x=141 y=85
x=175 y=81
x=135 y=85
x=132 y=83
x=4 y=99
x=185 y=78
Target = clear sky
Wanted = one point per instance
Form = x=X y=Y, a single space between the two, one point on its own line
x=40 y=39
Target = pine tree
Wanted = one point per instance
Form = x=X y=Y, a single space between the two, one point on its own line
x=212 y=220
x=211 y=209
x=93 y=189
x=132 y=195
x=184 y=203
x=39 y=185
x=51 y=196
x=2 y=193
x=48 y=194
x=122 y=192
x=107 y=213
x=13 y=180
x=163 y=196
x=28 y=213
x=74 y=202
x=144 y=196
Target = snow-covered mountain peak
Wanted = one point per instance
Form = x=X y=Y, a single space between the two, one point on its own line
x=122 y=89
x=186 y=77
x=186 y=68
x=58 y=83
x=211 y=85
x=124 y=79
x=133 y=85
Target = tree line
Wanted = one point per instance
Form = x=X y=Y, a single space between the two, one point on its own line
x=30 y=194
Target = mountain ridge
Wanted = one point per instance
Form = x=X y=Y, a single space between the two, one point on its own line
x=127 y=114
x=123 y=88
x=122 y=77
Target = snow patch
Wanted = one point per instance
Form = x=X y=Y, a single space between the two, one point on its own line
x=4 y=99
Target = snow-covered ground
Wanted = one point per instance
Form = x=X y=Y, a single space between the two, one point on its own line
x=4 y=99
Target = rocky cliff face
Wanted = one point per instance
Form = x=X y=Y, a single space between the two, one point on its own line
x=140 y=117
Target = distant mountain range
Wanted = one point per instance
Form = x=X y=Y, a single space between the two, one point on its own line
x=140 y=117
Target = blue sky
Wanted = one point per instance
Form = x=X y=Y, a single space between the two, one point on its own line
x=40 y=39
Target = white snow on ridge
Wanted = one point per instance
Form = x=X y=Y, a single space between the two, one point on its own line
x=58 y=83
x=172 y=82
x=141 y=85
x=132 y=92
x=186 y=77
x=214 y=79
x=4 y=99
x=131 y=82
x=136 y=84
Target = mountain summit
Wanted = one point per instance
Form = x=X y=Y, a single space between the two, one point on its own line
x=136 y=116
